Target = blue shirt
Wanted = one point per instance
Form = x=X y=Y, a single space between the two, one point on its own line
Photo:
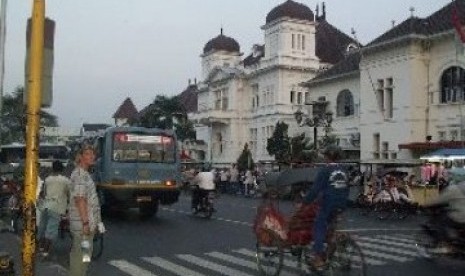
x=331 y=183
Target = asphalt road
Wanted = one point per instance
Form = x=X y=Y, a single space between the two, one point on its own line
x=177 y=243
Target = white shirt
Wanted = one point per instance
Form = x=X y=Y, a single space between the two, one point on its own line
x=224 y=176
x=248 y=177
x=57 y=193
x=234 y=175
x=205 y=180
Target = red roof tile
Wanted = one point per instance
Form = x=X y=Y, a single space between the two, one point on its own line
x=126 y=110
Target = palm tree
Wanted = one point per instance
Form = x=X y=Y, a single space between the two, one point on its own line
x=13 y=117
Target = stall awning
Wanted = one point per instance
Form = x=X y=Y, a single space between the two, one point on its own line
x=433 y=145
x=445 y=154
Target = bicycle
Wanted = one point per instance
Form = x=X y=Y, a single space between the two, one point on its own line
x=276 y=237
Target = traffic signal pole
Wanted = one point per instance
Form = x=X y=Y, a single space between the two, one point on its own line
x=32 y=139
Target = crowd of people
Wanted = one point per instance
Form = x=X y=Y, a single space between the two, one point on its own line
x=229 y=180
x=71 y=199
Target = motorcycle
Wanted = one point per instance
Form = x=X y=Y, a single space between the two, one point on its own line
x=435 y=232
x=204 y=202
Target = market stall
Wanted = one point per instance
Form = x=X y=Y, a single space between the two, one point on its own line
x=441 y=164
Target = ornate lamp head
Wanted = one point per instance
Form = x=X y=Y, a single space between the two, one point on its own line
x=298 y=115
x=329 y=117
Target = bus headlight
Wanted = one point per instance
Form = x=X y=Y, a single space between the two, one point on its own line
x=170 y=183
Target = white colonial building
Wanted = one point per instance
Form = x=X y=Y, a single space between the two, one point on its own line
x=241 y=100
x=398 y=97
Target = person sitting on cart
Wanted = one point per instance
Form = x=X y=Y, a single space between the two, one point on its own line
x=391 y=193
x=331 y=189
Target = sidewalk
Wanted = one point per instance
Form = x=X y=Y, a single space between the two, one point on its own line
x=11 y=244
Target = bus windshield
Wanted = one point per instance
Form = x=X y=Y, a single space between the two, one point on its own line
x=141 y=147
x=15 y=154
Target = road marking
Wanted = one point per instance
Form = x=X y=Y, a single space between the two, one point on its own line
x=249 y=264
x=402 y=240
x=294 y=265
x=387 y=248
x=212 y=218
x=234 y=221
x=171 y=267
x=385 y=256
x=356 y=230
x=386 y=241
x=232 y=259
x=188 y=200
x=130 y=269
x=250 y=253
x=211 y=265
x=377 y=250
x=368 y=260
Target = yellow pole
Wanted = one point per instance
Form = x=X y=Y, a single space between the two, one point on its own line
x=32 y=131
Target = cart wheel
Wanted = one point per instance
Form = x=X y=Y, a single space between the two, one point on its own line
x=270 y=257
x=383 y=210
x=348 y=258
x=402 y=210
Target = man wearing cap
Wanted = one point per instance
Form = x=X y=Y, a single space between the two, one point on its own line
x=331 y=189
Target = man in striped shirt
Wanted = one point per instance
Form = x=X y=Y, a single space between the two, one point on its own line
x=84 y=209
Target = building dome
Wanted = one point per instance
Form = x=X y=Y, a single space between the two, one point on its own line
x=222 y=42
x=290 y=9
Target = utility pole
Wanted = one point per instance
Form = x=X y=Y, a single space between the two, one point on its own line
x=32 y=133
x=2 y=55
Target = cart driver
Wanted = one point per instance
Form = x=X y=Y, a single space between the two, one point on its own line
x=331 y=189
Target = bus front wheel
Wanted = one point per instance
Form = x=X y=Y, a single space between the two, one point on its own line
x=149 y=209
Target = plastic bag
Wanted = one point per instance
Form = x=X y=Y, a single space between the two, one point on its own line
x=268 y=221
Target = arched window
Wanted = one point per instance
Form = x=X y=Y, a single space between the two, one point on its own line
x=345 y=104
x=453 y=85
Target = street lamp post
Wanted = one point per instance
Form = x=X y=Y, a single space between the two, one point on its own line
x=320 y=118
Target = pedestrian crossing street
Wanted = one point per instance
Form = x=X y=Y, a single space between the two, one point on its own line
x=378 y=250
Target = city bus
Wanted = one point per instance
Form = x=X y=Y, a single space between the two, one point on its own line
x=14 y=154
x=137 y=167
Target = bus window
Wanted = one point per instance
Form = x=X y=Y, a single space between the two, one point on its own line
x=139 y=147
x=16 y=153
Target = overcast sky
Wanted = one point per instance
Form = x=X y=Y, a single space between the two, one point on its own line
x=107 y=50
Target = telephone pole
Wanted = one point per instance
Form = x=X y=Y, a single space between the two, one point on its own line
x=32 y=131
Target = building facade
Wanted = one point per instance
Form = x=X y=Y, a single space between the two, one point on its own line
x=396 y=98
x=240 y=100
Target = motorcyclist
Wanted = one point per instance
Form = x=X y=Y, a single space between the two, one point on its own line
x=453 y=199
x=205 y=181
x=331 y=189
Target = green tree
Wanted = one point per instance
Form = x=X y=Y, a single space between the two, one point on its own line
x=13 y=118
x=278 y=144
x=245 y=160
x=167 y=113
x=162 y=113
x=185 y=130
